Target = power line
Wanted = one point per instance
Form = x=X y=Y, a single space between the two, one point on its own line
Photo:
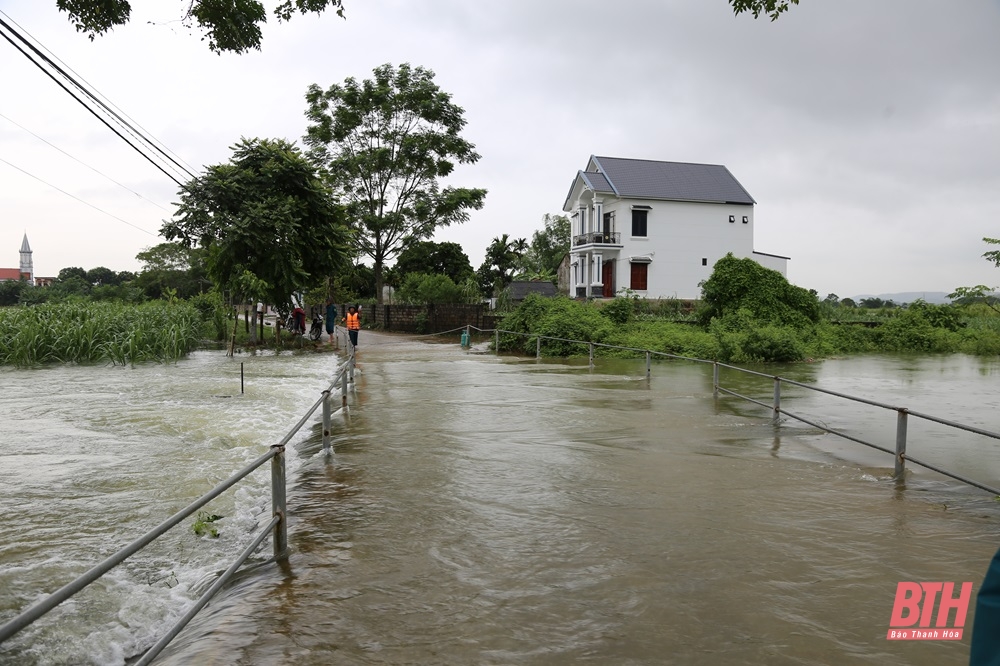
x=125 y=187
x=170 y=161
x=73 y=196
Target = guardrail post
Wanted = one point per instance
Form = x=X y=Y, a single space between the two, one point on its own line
x=591 y=354
x=777 y=397
x=343 y=388
x=648 y=366
x=350 y=366
x=326 y=421
x=900 y=444
x=278 y=503
x=715 y=379
x=538 y=346
x=496 y=341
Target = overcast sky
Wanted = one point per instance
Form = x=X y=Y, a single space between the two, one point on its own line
x=868 y=131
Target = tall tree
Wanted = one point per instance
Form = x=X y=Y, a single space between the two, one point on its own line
x=548 y=247
x=265 y=213
x=384 y=143
x=229 y=25
x=447 y=259
x=503 y=257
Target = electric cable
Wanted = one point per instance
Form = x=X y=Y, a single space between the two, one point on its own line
x=81 y=102
x=98 y=172
x=73 y=196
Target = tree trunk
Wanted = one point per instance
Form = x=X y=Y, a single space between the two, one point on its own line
x=377 y=269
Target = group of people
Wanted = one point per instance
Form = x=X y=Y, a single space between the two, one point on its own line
x=352 y=320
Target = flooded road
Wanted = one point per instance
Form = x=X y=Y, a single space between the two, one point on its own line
x=484 y=510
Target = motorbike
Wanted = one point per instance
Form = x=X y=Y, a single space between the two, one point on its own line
x=316 y=330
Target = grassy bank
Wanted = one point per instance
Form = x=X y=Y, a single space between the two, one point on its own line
x=740 y=337
x=94 y=332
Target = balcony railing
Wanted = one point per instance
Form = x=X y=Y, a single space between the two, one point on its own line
x=598 y=237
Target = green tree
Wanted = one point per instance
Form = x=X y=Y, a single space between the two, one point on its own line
x=267 y=213
x=771 y=8
x=547 y=249
x=434 y=259
x=72 y=272
x=230 y=25
x=503 y=259
x=102 y=276
x=384 y=143
x=420 y=288
x=171 y=266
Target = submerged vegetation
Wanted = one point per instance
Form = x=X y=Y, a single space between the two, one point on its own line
x=749 y=314
x=97 y=332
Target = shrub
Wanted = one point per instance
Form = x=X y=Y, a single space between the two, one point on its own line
x=557 y=317
x=619 y=310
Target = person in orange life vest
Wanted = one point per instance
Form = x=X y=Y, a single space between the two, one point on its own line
x=353 y=320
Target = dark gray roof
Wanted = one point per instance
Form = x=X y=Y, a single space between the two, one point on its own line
x=596 y=181
x=520 y=289
x=675 y=181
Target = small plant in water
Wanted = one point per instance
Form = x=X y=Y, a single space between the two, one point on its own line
x=203 y=524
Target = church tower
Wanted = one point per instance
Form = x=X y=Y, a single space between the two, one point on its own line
x=26 y=267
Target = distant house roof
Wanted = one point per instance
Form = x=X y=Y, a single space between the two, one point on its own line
x=671 y=181
x=519 y=289
x=12 y=274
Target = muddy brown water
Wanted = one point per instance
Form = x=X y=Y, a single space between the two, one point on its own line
x=492 y=510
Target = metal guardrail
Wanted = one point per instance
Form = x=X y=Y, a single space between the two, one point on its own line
x=598 y=238
x=277 y=526
x=902 y=413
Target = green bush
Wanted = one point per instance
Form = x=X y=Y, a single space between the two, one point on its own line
x=421 y=288
x=619 y=310
x=557 y=317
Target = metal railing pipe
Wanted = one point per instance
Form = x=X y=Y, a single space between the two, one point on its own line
x=777 y=398
x=326 y=420
x=649 y=368
x=67 y=591
x=152 y=652
x=900 y=444
x=278 y=506
x=715 y=378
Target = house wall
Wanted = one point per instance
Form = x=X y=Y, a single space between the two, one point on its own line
x=680 y=236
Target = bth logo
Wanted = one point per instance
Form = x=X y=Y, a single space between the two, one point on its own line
x=914 y=605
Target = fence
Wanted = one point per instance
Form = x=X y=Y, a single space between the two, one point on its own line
x=902 y=413
x=277 y=526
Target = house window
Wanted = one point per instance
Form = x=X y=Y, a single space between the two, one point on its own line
x=704 y=261
x=745 y=219
x=732 y=219
x=639 y=222
x=638 y=277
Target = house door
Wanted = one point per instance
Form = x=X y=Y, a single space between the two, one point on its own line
x=608 y=277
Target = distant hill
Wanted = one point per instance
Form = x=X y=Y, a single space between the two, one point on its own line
x=936 y=297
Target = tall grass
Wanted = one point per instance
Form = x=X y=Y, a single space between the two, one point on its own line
x=97 y=332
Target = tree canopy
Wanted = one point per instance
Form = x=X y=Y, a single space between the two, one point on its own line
x=503 y=257
x=229 y=25
x=548 y=247
x=447 y=259
x=383 y=145
x=771 y=8
x=265 y=219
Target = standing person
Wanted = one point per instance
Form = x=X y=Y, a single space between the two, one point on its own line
x=299 y=316
x=353 y=321
x=331 y=319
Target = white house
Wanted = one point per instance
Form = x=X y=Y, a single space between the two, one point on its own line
x=656 y=228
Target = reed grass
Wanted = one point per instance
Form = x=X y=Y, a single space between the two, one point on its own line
x=96 y=332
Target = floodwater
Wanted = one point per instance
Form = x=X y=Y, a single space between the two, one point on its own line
x=494 y=510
